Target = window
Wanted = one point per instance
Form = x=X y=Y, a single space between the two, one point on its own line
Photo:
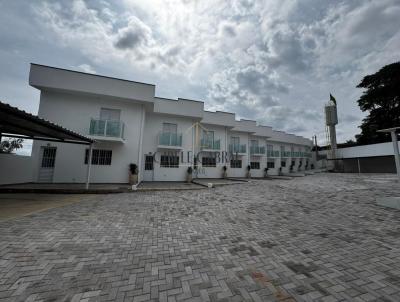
x=283 y=163
x=208 y=135
x=255 y=165
x=271 y=164
x=107 y=114
x=210 y=161
x=236 y=163
x=169 y=161
x=170 y=128
x=148 y=162
x=49 y=157
x=235 y=140
x=254 y=143
x=99 y=157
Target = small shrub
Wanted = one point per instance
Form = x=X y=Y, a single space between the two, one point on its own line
x=133 y=168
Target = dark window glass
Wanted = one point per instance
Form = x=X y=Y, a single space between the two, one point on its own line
x=99 y=157
x=283 y=163
x=169 y=161
x=49 y=157
x=255 y=165
x=236 y=163
x=271 y=164
x=208 y=161
x=148 y=163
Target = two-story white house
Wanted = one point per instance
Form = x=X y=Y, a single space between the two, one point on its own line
x=163 y=137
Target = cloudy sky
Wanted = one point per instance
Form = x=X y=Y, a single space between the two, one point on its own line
x=274 y=61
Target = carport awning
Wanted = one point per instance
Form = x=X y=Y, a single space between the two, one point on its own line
x=18 y=123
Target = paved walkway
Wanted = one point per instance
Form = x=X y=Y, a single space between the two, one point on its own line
x=22 y=204
x=316 y=238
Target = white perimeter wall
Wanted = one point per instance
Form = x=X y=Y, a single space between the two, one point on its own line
x=15 y=169
x=382 y=149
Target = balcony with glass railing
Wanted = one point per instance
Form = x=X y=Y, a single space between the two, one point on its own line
x=236 y=148
x=272 y=153
x=170 y=140
x=285 y=153
x=210 y=144
x=295 y=154
x=107 y=130
x=257 y=150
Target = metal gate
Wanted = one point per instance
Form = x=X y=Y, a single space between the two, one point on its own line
x=148 y=174
x=46 y=170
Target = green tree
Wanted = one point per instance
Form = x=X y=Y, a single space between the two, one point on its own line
x=9 y=145
x=381 y=100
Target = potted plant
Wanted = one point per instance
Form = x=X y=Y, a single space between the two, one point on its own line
x=224 y=172
x=266 y=172
x=248 y=171
x=133 y=174
x=189 y=174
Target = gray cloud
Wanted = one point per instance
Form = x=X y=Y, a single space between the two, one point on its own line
x=291 y=51
x=257 y=82
x=229 y=30
x=274 y=61
x=135 y=34
x=349 y=118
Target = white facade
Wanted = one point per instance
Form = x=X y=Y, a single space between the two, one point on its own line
x=131 y=125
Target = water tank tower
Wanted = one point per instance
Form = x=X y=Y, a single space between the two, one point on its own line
x=331 y=120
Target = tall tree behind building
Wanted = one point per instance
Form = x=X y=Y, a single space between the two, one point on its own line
x=382 y=100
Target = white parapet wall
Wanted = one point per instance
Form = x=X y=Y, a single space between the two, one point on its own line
x=383 y=149
x=15 y=169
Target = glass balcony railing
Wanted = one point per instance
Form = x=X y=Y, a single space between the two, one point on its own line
x=285 y=153
x=257 y=150
x=210 y=144
x=106 y=128
x=272 y=153
x=237 y=148
x=295 y=154
x=170 y=139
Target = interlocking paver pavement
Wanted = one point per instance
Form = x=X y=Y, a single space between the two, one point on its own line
x=317 y=238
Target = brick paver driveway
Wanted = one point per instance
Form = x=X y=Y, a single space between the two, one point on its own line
x=316 y=238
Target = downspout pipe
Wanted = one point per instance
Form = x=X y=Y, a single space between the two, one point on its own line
x=140 y=153
x=89 y=166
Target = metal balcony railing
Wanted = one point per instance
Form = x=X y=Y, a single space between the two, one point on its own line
x=236 y=148
x=170 y=139
x=285 y=153
x=257 y=150
x=210 y=144
x=106 y=128
x=271 y=153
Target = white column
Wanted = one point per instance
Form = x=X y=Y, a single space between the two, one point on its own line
x=89 y=166
x=396 y=151
x=140 y=151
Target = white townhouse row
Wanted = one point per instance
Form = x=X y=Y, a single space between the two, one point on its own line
x=163 y=137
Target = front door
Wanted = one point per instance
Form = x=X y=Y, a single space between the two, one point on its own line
x=148 y=174
x=46 y=170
